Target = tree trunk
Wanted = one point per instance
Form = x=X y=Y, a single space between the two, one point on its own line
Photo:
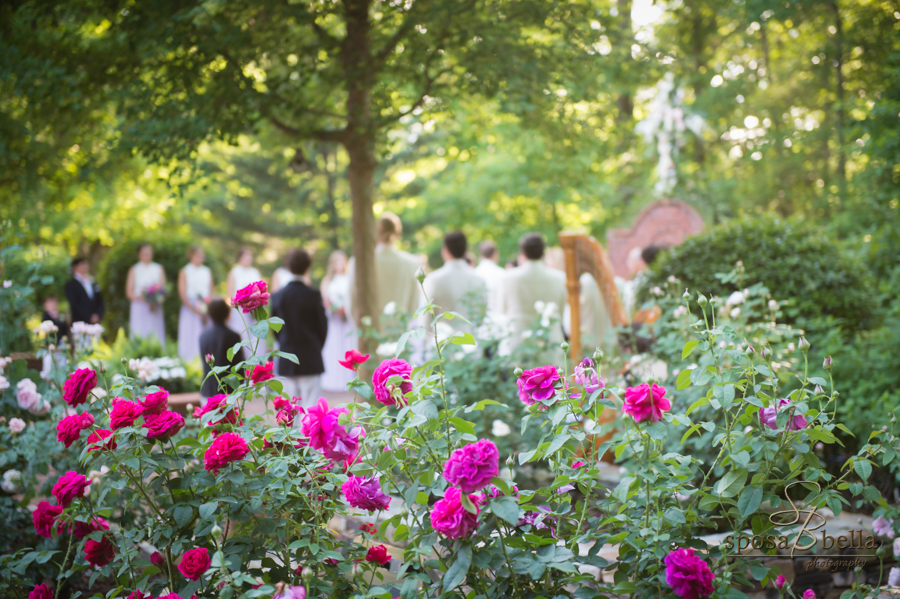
x=839 y=95
x=625 y=102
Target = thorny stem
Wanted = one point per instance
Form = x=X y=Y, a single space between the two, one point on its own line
x=62 y=568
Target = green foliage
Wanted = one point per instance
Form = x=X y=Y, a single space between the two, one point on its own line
x=170 y=251
x=795 y=261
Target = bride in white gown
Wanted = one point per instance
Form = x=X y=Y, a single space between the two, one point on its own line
x=341 y=330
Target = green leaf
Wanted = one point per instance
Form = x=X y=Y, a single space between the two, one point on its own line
x=557 y=442
x=208 y=509
x=481 y=405
x=467 y=504
x=689 y=348
x=462 y=425
x=863 y=468
x=506 y=508
x=703 y=401
x=183 y=514
x=731 y=484
x=674 y=516
x=457 y=571
x=462 y=339
x=684 y=379
x=749 y=501
x=275 y=323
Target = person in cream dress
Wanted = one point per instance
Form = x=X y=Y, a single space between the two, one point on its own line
x=145 y=319
x=195 y=289
x=341 y=332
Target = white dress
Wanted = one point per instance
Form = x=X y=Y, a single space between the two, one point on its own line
x=341 y=336
x=239 y=322
x=198 y=280
x=145 y=321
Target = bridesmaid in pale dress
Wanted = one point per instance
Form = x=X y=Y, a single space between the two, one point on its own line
x=341 y=331
x=195 y=288
x=242 y=274
x=146 y=319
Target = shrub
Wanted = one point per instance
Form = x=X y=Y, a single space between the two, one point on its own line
x=168 y=251
x=791 y=259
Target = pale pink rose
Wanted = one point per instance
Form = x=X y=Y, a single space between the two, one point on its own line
x=27 y=395
x=16 y=425
x=883 y=527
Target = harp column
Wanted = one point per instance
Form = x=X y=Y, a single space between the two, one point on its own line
x=573 y=287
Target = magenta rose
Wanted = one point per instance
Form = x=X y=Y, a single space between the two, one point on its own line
x=378 y=554
x=688 y=575
x=262 y=373
x=139 y=594
x=450 y=518
x=225 y=449
x=99 y=553
x=123 y=414
x=194 y=563
x=217 y=404
x=69 y=428
x=253 y=296
x=344 y=445
x=44 y=518
x=82 y=529
x=537 y=384
x=586 y=375
x=320 y=424
x=101 y=434
x=392 y=394
x=40 y=591
x=156 y=558
x=285 y=415
x=646 y=403
x=69 y=486
x=156 y=403
x=78 y=386
x=365 y=493
x=162 y=426
x=473 y=466
x=769 y=416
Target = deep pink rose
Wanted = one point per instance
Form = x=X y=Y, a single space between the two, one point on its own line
x=646 y=403
x=156 y=403
x=365 y=493
x=291 y=592
x=353 y=360
x=688 y=575
x=537 y=384
x=586 y=375
x=540 y=519
x=99 y=435
x=769 y=416
x=69 y=428
x=392 y=394
x=344 y=446
x=286 y=414
x=379 y=555
x=226 y=448
x=779 y=582
x=123 y=414
x=194 y=563
x=473 y=466
x=450 y=518
x=82 y=529
x=44 y=518
x=69 y=486
x=253 y=296
x=577 y=464
x=78 y=386
x=40 y=591
x=217 y=404
x=99 y=553
x=809 y=594
x=157 y=558
x=320 y=424
x=164 y=425
x=262 y=373
x=139 y=595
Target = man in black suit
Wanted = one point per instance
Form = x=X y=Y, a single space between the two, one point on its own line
x=85 y=299
x=216 y=341
x=303 y=334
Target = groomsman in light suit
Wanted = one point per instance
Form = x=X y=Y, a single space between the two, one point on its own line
x=531 y=282
x=85 y=299
x=455 y=286
x=492 y=273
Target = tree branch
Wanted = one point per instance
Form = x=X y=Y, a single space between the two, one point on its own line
x=429 y=82
x=381 y=57
x=331 y=135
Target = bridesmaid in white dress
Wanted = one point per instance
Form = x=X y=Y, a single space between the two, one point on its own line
x=341 y=331
x=195 y=288
x=242 y=274
x=145 y=319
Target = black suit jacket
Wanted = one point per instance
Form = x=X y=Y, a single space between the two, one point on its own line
x=216 y=341
x=305 y=328
x=81 y=304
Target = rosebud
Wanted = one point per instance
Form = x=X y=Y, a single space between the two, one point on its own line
x=510 y=462
x=306 y=573
x=765 y=353
x=598 y=355
x=210 y=359
x=819 y=390
x=124 y=361
x=518 y=372
x=101 y=367
x=685 y=296
x=420 y=275
x=750 y=350
x=355 y=571
x=804 y=344
x=216 y=531
x=827 y=363
x=564 y=346
x=701 y=300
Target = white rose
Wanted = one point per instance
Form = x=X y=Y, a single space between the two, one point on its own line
x=500 y=428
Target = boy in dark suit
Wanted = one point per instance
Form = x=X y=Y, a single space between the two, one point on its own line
x=85 y=299
x=303 y=334
x=216 y=341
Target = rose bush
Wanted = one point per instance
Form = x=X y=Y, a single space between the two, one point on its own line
x=242 y=506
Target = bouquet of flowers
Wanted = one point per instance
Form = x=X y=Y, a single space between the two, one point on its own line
x=154 y=295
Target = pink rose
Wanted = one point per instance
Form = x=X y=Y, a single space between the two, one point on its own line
x=688 y=575
x=379 y=555
x=262 y=373
x=769 y=416
x=217 y=404
x=577 y=464
x=82 y=529
x=779 y=582
x=40 y=591
x=69 y=486
x=586 y=375
x=156 y=403
x=194 y=563
x=99 y=435
x=646 y=403
x=320 y=424
x=99 y=553
x=123 y=414
x=353 y=360
x=69 y=428
x=883 y=527
x=537 y=384
x=139 y=595
x=450 y=518
x=44 y=518
x=365 y=493
x=225 y=449
x=809 y=594
x=156 y=558
x=291 y=592
x=162 y=426
x=78 y=386
x=253 y=296
x=344 y=446
x=16 y=425
x=473 y=466
x=392 y=394
x=27 y=396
